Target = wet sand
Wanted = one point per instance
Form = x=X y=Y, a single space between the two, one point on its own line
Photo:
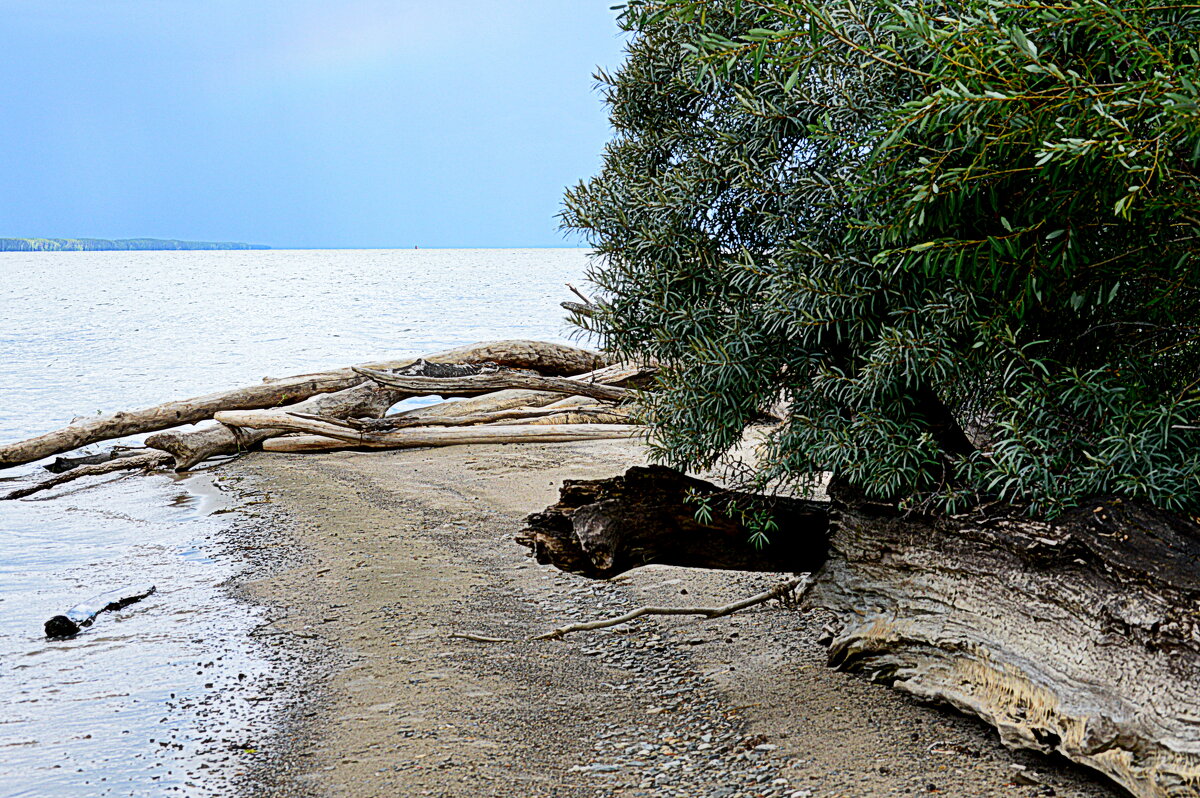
x=397 y=550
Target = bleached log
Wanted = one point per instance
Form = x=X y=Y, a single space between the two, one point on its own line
x=190 y=447
x=585 y=415
x=365 y=400
x=455 y=436
x=544 y=357
x=574 y=414
x=413 y=436
x=487 y=383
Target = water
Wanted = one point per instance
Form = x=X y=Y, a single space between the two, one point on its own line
x=130 y=706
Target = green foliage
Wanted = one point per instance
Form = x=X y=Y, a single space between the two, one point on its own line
x=912 y=220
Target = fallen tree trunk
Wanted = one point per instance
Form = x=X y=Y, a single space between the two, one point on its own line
x=1079 y=637
x=573 y=414
x=487 y=383
x=437 y=436
x=545 y=358
x=600 y=528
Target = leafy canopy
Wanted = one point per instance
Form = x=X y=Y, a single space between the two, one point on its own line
x=961 y=239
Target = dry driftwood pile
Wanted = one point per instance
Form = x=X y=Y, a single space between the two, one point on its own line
x=520 y=392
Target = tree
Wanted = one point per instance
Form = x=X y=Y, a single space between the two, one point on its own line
x=961 y=239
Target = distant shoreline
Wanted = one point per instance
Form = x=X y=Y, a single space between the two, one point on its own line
x=123 y=244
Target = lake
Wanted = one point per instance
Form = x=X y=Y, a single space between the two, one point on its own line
x=140 y=703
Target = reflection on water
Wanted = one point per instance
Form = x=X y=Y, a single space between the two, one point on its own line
x=157 y=695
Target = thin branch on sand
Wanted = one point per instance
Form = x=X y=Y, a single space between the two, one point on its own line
x=792 y=590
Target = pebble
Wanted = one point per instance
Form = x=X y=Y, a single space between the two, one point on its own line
x=686 y=743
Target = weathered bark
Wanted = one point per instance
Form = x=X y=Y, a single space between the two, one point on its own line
x=545 y=358
x=147 y=460
x=430 y=436
x=573 y=414
x=487 y=383
x=582 y=415
x=1079 y=637
x=600 y=528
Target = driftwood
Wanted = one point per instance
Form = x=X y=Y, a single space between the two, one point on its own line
x=370 y=400
x=73 y=620
x=780 y=591
x=61 y=465
x=344 y=438
x=1079 y=637
x=573 y=414
x=147 y=461
x=487 y=383
x=545 y=358
x=194 y=446
x=584 y=415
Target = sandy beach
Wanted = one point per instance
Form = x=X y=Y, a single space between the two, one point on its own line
x=395 y=551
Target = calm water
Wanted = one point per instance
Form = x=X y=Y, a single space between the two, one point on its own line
x=137 y=704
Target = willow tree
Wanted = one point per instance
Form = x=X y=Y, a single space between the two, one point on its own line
x=961 y=242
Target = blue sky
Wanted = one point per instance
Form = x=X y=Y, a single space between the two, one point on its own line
x=357 y=123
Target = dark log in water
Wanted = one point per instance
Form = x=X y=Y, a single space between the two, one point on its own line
x=61 y=465
x=81 y=615
x=147 y=460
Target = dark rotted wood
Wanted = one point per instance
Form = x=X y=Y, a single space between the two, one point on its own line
x=600 y=528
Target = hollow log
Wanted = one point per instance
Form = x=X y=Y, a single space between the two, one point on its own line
x=600 y=528
x=543 y=357
x=1079 y=637
x=487 y=383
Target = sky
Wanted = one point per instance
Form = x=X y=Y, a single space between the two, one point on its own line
x=296 y=123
